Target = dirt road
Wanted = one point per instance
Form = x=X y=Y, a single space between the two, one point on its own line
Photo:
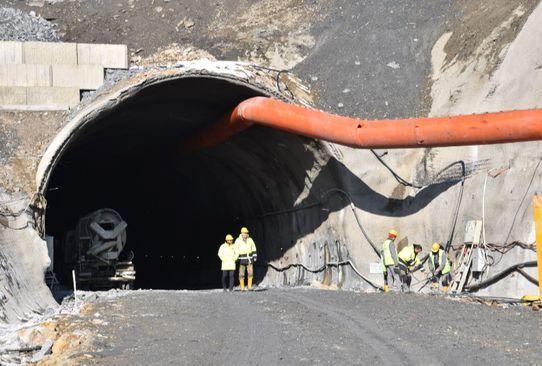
x=306 y=326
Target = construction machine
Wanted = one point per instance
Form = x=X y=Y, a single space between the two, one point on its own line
x=95 y=249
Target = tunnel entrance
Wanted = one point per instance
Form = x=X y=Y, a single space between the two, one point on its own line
x=178 y=208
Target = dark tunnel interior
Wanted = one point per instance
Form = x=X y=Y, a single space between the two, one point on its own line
x=179 y=208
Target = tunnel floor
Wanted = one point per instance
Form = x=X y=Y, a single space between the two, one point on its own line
x=302 y=326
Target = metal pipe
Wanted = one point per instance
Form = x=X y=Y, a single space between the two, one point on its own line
x=475 y=129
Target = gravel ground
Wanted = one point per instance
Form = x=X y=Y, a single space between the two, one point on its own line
x=16 y=25
x=307 y=326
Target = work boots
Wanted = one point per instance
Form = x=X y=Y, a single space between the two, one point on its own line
x=242 y=284
x=250 y=283
x=386 y=288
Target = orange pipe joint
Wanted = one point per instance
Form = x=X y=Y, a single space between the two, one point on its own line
x=475 y=129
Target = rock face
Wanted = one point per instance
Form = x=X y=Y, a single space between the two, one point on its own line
x=376 y=60
x=23 y=260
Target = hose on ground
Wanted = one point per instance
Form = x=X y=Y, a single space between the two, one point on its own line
x=501 y=275
x=322 y=268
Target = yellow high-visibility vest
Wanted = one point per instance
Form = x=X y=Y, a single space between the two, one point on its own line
x=245 y=249
x=408 y=257
x=385 y=253
x=441 y=258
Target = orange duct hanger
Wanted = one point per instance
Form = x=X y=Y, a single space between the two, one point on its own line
x=475 y=129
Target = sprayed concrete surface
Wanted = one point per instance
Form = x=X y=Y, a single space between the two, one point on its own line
x=296 y=326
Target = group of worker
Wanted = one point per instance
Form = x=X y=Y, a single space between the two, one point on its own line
x=242 y=250
x=398 y=267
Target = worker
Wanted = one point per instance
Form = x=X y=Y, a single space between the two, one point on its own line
x=408 y=263
x=246 y=249
x=228 y=256
x=440 y=268
x=388 y=261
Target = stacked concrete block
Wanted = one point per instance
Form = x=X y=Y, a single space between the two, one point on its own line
x=12 y=95
x=25 y=75
x=11 y=53
x=52 y=96
x=42 y=75
x=110 y=56
x=38 y=98
x=86 y=77
x=45 y=53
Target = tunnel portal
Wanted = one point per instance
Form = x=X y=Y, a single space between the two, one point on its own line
x=179 y=207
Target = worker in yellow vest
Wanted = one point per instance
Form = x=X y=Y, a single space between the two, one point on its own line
x=389 y=261
x=408 y=263
x=440 y=268
x=228 y=256
x=246 y=249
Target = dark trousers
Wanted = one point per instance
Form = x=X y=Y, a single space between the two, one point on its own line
x=225 y=274
x=405 y=276
x=444 y=279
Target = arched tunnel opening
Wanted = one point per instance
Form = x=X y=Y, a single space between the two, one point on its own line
x=178 y=207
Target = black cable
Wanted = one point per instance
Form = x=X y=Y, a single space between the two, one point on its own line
x=289 y=210
x=458 y=205
x=5 y=219
x=18 y=228
x=352 y=207
x=6 y=212
x=505 y=248
x=500 y=275
x=295 y=265
x=397 y=177
x=33 y=209
x=277 y=77
x=13 y=214
x=320 y=269
x=528 y=276
x=404 y=182
x=323 y=197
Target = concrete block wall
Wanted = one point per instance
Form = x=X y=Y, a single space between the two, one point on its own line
x=50 y=76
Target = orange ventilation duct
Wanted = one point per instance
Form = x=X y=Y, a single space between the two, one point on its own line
x=475 y=129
